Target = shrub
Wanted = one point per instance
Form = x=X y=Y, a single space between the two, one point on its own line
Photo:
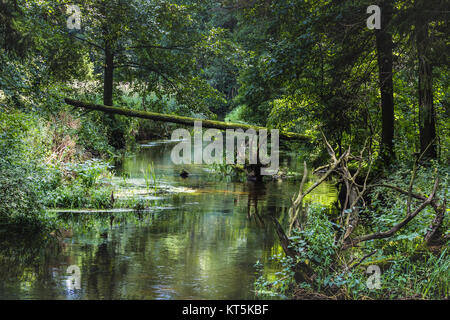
x=21 y=186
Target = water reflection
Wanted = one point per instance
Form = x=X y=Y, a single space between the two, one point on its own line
x=204 y=246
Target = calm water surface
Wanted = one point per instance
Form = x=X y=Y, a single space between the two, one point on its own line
x=201 y=243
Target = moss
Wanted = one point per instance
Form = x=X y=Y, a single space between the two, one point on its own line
x=179 y=119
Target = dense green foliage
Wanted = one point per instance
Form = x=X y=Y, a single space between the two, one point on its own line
x=20 y=185
x=302 y=66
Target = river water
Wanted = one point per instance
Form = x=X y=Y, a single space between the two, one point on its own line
x=199 y=242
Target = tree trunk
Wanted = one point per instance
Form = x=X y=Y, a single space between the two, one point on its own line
x=384 y=53
x=302 y=271
x=427 y=117
x=117 y=137
x=108 y=76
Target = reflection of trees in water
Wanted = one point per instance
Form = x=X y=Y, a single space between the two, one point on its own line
x=205 y=247
x=264 y=201
x=27 y=255
x=101 y=260
x=104 y=270
x=256 y=191
x=34 y=263
x=183 y=254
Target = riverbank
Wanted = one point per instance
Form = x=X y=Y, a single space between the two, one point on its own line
x=195 y=238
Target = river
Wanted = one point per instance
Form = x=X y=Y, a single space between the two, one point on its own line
x=201 y=242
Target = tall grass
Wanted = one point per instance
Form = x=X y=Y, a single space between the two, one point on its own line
x=150 y=177
x=438 y=283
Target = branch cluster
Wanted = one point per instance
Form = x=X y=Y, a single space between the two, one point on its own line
x=356 y=189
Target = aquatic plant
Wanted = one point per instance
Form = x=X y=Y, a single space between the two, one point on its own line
x=150 y=177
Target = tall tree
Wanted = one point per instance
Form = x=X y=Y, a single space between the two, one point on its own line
x=384 y=53
x=427 y=116
x=153 y=44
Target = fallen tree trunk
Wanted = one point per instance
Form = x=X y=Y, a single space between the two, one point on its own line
x=221 y=125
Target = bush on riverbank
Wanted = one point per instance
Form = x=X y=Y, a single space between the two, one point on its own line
x=82 y=185
x=41 y=165
x=410 y=268
x=19 y=181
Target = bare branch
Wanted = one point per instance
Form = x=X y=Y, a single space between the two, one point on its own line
x=398 y=189
x=180 y=48
x=401 y=224
x=362 y=259
x=411 y=183
x=300 y=197
x=89 y=42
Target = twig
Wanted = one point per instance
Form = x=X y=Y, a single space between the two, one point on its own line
x=300 y=197
x=397 y=227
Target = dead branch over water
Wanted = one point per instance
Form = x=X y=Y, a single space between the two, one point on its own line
x=357 y=189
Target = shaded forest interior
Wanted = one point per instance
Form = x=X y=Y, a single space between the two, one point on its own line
x=366 y=109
